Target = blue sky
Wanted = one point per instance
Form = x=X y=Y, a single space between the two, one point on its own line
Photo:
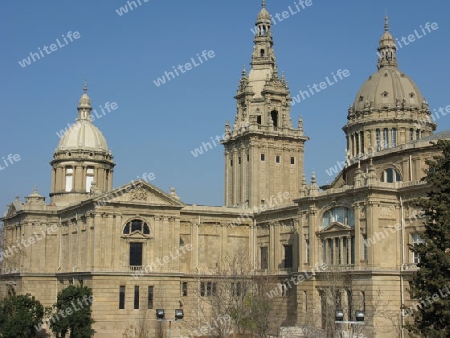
x=155 y=128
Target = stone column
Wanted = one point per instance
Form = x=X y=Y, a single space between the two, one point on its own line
x=236 y=177
x=116 y=249
x=272 y=247
x=77 y=178
x=59 y=180
x=108 y=233
x=90 y=242
x=97 y=244
x=194 y=253
x=358 y=242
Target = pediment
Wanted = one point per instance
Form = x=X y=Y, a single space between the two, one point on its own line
x=139 y=192
x=14 y=208
x=136 y=236
x=336 y=226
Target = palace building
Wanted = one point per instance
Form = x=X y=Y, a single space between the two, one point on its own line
x=140 y=248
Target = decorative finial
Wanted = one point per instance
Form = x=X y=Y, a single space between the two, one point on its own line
x=263 y=5
x=386 y=23
x=85 y=88
x=313 y=178
x=244 y=71
x=35 y=189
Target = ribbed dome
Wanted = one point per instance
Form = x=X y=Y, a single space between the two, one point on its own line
x=83 y=135
x=388 y=88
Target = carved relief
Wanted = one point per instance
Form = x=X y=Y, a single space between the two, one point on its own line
x=139 y=195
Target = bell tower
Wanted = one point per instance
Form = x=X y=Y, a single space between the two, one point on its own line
x=263 y=152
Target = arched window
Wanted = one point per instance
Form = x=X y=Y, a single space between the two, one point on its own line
x=390 y=175
x=341 y=215
x=136 y=225
x=262 y=52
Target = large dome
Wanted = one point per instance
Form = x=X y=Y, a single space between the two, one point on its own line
x=388 y=88
x=389 y=110
x=83 y=135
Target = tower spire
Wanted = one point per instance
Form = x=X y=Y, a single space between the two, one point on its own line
x=387 y=50
x=263 y=4
x=84 y=105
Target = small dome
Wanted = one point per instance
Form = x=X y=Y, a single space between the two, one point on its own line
x=263 y=15
x=85 y=101
x=388 y=88
x=83 y=135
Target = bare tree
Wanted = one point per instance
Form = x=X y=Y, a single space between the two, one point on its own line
x=266 y=313
x=138 y=328
x=223 y=293
x=234 y=299
x=341 y=290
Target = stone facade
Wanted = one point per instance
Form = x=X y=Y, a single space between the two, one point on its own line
x=140 y=248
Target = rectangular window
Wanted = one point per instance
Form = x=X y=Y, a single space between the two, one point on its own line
x=288 y=256
x=411 y=134
x=361 y=134
x=208 y=289
x=416 y=239
x=69 y=179
x=345 y=247
x=184 y=290
x=307 y=250
x=150 y=297
x=378 y=138
x=258 y=119
x=324 y=251
x=330 y=247
x=277 y=158
x=231 y=163
x=89 y=178
x=264 y=257
x=236 y=289
x=357 y=144
x=386 y=138
x=263 y=157
x=135 y=254
x=136 y=297
x=248 y=158
x=338 y=249
x=122 y=297
x=292 y=160
x=239 y=159
x=352 y=251
x=202 y=289
x=365 y=253
x=417 y=134
x=394 y=137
